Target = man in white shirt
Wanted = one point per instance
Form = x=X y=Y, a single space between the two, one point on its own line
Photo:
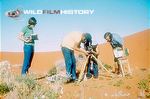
x=71 y=43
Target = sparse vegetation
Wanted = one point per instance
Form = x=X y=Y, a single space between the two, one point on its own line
x=18 y=87
x=28 y=87
x=4 y=88
x=144 y=85
x=52 y=71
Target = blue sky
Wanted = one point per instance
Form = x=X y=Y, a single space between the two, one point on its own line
x=120 y=16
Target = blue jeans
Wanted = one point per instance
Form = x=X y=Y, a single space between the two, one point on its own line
x=28 y=56
x=94 y=71
x=70 y=62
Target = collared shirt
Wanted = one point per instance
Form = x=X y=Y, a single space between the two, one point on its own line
x=27 y=33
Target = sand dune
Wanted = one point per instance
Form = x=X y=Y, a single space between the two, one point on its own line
x=42 y=61
x=138 y=44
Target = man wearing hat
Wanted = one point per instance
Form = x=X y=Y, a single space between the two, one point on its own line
x=26 y=37
x=72 y=43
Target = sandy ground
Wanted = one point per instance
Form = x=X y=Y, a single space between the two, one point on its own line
x=107 y=88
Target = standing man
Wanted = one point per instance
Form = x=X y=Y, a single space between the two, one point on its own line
x=26 y=37
x=71 y=43
x=117 y=45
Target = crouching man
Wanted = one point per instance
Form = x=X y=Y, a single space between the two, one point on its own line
x=72 y=43
x=92 y=66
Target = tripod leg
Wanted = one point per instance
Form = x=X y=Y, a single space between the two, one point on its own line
x=122 y=69
x=100 y=64
x=83 y=69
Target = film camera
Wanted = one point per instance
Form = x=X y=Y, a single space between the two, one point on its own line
x=89 y=48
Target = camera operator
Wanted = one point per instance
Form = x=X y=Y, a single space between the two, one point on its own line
x=92 y=68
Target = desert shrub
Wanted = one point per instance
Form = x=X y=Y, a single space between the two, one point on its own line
x=144 y=85
x=6 y=77
x=5 y=72
x=43 y=92
x=25 y=86
x=28 y=81
x=4 y=88
x=148 y=95
x=19 y=87
x=56 y=78
x=51 y=94
x=29 y=88
x=52 y=71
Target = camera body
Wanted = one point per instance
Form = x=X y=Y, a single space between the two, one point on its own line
x=89 y=48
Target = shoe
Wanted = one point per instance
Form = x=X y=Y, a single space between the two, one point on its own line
x=95 y=76
x=73 y=80
x=118 y=72
x=88 y=76
x=114 y=72
x=67 y=81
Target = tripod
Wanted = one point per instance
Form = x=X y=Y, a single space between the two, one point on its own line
x=85 y=64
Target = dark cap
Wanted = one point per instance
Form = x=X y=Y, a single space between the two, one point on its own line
x=88 y=37
x=32 y=21
x=107 y=34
